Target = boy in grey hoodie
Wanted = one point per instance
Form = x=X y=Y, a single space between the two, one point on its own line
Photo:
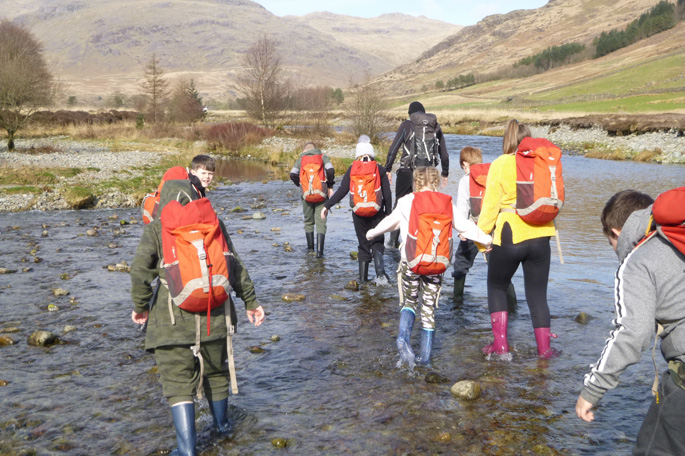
x=650 y=289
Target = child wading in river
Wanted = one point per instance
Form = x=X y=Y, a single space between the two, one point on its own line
x=371 y=201
x=417 y=215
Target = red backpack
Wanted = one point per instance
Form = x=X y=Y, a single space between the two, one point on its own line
x=312 y=178
x=668 y=213
x=365 y=188
x=539 y=181
x=428 y=247
x=478 y=176
x=197 y=261
x=151 y=200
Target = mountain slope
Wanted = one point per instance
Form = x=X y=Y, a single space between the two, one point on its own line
x=99 y=46
x=498 y=41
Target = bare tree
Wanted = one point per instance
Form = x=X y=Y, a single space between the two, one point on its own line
x=156 y=89
x=261 y=81
x=25 y=81
x=367 y=105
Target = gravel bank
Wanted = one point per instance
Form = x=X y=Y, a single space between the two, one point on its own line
x=100 y=163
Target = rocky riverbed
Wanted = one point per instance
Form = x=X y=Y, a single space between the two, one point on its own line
x=99 y=163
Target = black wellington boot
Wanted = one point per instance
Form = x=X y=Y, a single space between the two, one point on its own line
x=458 y=295
x=378 y=263
x=394 y=239
x=363 y=271
x=310 y=242
x=320 y=237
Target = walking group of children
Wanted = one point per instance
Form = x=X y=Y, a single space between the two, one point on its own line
x=501 y=210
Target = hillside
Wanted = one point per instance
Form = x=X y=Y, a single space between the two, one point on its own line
x=397 y=38
x=97 y=47
x=498 y=41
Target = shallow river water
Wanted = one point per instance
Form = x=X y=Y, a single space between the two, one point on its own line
x=330 y=385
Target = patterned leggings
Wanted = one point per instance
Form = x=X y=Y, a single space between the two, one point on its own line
x=411 y=285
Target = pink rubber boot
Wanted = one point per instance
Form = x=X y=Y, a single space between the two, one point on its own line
x=543 y=337
x=499 y=321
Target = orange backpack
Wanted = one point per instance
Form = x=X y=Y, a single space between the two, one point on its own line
x=312 y=178
x=151 y=200
x=668 y=214
x=365 y=188
x=428 y=247
x=478 y=176
x=197 y=261
x=539 y=181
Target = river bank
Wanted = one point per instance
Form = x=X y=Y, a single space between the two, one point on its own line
x=96 y=163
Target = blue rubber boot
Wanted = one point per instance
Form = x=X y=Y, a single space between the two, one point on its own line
x=184 y=421
x=407 y=317
x=219 y=411
x=427 y=336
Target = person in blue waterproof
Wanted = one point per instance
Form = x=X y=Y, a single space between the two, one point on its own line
x=372 y=248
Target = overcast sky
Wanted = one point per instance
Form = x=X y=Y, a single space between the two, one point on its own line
x=460 y=12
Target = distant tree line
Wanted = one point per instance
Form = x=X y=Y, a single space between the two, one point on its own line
x=552 y=56
x=457 y=82
x=661 y=17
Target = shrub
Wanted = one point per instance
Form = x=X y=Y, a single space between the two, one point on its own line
x=235 y=135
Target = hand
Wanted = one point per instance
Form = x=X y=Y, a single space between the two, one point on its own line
x=324 y=213
x=256 y=316
x=330 y=193
x=583 y=410
x=139 y=318
x=461 y=237
x=444 y=182
x=369 y=235
x=390 y=178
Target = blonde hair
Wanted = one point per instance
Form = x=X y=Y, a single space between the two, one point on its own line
x=513 y=136
x=426 y=177
x=471 y=155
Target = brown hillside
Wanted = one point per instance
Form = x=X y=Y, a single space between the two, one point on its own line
x=500 y=40
x=97 y=47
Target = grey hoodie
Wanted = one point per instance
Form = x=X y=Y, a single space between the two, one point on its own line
x=649 y=287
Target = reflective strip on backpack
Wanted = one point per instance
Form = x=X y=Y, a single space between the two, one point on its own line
x=199 y=244
x=218 y=280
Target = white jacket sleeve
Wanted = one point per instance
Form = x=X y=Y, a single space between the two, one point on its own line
x=468 y=229
x=463 y=195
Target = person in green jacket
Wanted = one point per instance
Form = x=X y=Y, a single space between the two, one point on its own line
x=171 y=339
x=311 y=210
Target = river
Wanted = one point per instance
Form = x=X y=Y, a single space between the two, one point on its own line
x=330 y=385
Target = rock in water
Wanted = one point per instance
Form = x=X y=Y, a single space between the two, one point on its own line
x=352 y=285
x=466 y=389
x=42 y=338
x=59 y=292
x=434 y=377
x=279 y=442
x=5 y=341
x=582 y=318
x=258 y=216
x=353 y=255
x=291 y=297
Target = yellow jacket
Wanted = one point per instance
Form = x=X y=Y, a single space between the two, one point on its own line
x=500 y=193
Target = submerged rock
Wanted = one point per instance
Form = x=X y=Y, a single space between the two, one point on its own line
x=279 y=442
x=59 y=292
x=582 y=318
x=434 y=377
x=256 y=350
x=91 y=232
x=258 y=216
x=7 y=271
x=291 y=297
x=42 y=338
x=237 y=209
x=52 y=308
x=287 y=248
x=5 y=341
x=275 y=338
x=353 y=255
x=352 y=285
x=466 y=389
x=69 y=328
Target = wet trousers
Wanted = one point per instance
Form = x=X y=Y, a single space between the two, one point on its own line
x=312 y=217
x=663 y=429
x=427 y=287
x=464 y=257
x=366 y=247
x=179 y=371
x=534 y=255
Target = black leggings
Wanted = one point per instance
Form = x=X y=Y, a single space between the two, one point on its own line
x=504 y=260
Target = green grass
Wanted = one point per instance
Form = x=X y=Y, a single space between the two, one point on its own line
x=634 y=104
x=22 y=189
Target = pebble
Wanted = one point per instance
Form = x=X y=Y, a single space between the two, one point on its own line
x=279 y=442
x=52 y=308
x=5 y=341
x=287 y=248
x=466 y=389
x=45 y=233
x=292 y=297
x=91 y=232
x=60 y=292
x=4 y=382
x=275 y=338
x=69 y=328
x=42 y=338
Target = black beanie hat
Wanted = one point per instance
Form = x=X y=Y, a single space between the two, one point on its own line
x=416 y=106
